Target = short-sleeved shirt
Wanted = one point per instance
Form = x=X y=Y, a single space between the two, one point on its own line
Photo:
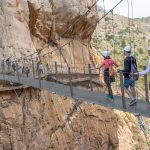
x=146 y=71
x=127 y=66
x=108 y=62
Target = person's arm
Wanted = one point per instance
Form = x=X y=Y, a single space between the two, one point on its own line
x=99 y=67
x=114 y=62
x=146 y=71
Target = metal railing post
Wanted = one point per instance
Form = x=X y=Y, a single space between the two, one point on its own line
x=39 y=76
x=56 y=72
x=70 y=81
x=33 y=68
x=122 y=91
x=17 y=69
x=90 y=77
x=47 y=69
x=2 y=66
x=146 y=88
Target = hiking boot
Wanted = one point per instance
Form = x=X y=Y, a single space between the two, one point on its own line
x=133 y=102
x=109 y=97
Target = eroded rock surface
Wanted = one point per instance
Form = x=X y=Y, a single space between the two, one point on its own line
x=27 y=25
x=36 y=120
x=39 y=120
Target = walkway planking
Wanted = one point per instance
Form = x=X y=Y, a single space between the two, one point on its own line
x=11 y=88
x=142 y=107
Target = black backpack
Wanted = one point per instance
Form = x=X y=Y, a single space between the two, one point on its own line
x=133 y=69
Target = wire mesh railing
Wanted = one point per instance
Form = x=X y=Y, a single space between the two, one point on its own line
x=40 y=70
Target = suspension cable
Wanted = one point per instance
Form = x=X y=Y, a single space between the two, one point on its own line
x=68 y=29
x=143 y=128
x=105 y=14
x=133 y=27
x=105 y=26
x=113 y=32
x=129 y=22
x=82 y=32
x=90 y=26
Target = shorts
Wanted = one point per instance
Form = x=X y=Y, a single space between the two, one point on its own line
x=108 y=79
x=128 y=82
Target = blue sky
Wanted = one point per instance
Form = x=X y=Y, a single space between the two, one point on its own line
x=141 y=8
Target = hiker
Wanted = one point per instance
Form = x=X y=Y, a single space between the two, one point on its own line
x=40 y=67
x=147 y=70
x=47 y=69
x=27 y=71
x=130 y=67
x=23 y=70
x=14 y=66
x=8 y=63
x=109 y=72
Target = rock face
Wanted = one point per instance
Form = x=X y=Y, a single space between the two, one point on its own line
x=36 y=120
x=15 y=39
x=27 y=25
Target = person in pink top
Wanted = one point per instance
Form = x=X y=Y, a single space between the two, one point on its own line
x=109 y=73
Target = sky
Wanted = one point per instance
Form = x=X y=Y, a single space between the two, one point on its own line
x=141 y=8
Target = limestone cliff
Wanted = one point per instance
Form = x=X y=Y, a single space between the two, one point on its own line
x=27 y=25
x=35 y=120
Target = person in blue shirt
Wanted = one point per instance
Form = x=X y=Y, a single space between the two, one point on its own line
x=147 y=70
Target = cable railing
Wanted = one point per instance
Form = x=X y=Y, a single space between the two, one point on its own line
x=41 y=70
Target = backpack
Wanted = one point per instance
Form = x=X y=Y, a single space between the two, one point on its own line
x=108 y=63
x=133 y=69
x=111 y=71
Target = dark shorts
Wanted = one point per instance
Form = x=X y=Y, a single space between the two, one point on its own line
x=128 y=82
x=108 y=79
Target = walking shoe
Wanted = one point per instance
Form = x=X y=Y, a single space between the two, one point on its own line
x=108 y=96
x=148 y=107
x=111 y=97
x=133 y=102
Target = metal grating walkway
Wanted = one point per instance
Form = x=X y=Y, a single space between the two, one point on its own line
x=142 y=107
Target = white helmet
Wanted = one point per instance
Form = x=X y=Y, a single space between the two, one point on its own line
x=148 y=49
x=127 y=49
x=106 y=53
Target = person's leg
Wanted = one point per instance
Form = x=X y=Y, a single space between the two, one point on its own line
x=129 y=93
x=109 y=88
x=126 y=86
x=132 y=87
x=107 y=84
